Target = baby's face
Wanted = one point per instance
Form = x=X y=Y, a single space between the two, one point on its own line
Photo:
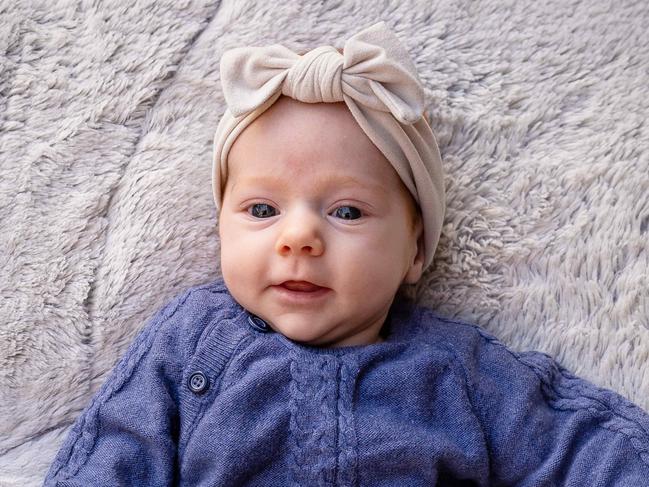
x=310 y=198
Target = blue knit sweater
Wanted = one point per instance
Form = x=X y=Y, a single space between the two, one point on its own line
x=208 y=395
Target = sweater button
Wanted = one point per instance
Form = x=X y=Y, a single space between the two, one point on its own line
x=197 y=382
x=258 y=324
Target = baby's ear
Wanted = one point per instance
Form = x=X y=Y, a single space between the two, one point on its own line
x=416 y=267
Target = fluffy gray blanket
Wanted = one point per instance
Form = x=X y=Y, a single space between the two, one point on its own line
x=107 y=111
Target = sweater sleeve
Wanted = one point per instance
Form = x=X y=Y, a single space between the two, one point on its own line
x=127 y=434
x=546 y=426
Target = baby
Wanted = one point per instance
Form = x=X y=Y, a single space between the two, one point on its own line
x=307 y=363
x=317 y=231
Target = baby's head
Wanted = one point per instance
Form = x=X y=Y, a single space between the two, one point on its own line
x=305 y=194
x=309 y=198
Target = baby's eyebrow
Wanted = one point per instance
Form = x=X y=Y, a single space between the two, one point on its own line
x=331 y=181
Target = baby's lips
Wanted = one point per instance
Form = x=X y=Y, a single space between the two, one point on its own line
x=304 y=286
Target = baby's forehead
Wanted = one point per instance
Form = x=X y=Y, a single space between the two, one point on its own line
x=321 y=180
x=294 y=138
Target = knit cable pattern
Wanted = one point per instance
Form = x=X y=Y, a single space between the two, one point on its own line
x=347 y=473
x=313 y=422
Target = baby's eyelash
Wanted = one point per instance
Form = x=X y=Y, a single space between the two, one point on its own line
x=359 y=212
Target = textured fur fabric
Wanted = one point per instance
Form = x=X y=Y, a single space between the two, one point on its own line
x=107 y=112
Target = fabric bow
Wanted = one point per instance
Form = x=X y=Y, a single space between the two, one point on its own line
x=375 y=70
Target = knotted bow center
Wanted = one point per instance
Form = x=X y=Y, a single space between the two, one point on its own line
x=316 y=76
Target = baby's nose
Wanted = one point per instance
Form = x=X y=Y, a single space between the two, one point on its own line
x=300 y=235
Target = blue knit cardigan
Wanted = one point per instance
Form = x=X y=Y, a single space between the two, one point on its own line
x=208 y=395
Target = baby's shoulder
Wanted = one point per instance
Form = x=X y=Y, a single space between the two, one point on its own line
x=470 y=343
x=210 y=297
x=432 y=327
x=181 y=322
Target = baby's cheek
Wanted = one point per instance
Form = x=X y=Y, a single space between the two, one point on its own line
x=240 y=247
x=391 y=240
x=233 y=251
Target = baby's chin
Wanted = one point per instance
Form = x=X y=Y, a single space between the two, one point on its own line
x=303 y=330
x=320 y=335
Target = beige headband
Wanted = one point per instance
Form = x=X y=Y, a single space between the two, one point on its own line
x=375 y=78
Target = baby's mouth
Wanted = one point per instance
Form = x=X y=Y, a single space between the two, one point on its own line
x=301 y=293
x=302 y=286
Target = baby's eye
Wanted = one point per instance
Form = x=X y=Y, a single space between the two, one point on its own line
x=264 y=210
x=348 y=212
